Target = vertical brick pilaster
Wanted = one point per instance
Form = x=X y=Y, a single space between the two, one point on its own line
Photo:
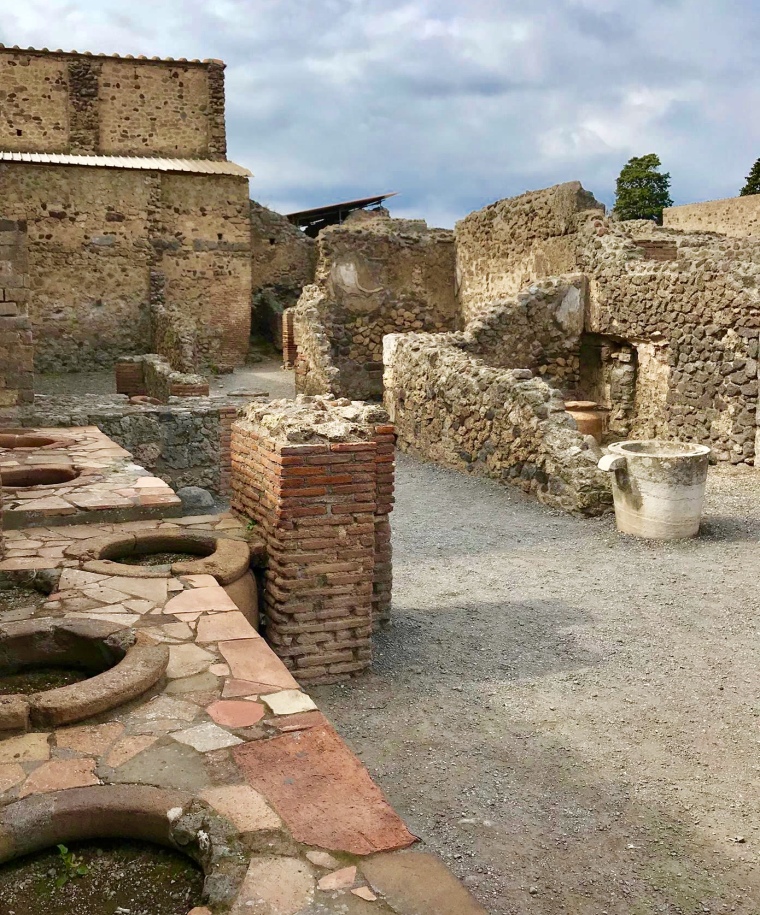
x=217 y=140
x=289 y=347
x=226 y=418
x=385 y=439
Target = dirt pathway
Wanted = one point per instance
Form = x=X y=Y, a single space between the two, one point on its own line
x=571 y=718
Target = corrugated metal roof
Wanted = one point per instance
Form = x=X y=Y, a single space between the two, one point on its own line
x=148 y=163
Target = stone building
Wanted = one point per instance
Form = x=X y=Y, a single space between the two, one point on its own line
x=138 y=228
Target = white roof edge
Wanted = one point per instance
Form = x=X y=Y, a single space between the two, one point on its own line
x=149 y=163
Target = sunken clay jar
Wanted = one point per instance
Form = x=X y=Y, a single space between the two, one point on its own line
x=658 y=487
x=588 y=418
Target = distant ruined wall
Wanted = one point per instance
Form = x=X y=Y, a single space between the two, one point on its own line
x=58 y=102
x=118 y=256
x=374 y=276
x=283 y=261
x=737 y=217
x=509 y=244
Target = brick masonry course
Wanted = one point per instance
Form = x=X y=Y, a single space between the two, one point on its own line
x=316 y=479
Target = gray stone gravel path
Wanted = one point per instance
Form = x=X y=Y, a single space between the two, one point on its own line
x=571 y=718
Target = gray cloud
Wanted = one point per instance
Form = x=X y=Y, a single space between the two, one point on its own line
x=452 y=104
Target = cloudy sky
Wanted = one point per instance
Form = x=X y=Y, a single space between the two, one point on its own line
x=452 y=103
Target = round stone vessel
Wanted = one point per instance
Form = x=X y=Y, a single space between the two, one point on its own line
x=658 y=487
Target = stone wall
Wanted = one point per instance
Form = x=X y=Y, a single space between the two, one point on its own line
x=450 y=407
x=734 y=216
x=694 y=322
x=506 y=246
x=185 y=443
x=118 y=257
x=374 y=276
x=58 y=102
x=316 y=477
x=16 y=342
x=671 y=321
x=283 y=261
x=539 y=329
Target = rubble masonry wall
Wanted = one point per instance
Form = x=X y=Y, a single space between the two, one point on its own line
x=687 y=304
x=56 y=102
x=119 y=257
x=451 y=407
x=734 y=216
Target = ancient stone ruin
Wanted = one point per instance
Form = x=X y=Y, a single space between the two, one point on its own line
x=519 y=346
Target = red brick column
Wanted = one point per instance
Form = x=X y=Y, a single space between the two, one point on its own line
x=226 y=418
x=322 y=512
x=289 y=348
x=385 y=439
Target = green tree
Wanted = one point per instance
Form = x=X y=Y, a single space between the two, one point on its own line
x=642 y=191
x=753 y=181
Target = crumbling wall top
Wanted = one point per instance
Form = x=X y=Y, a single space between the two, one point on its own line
x=323 y=419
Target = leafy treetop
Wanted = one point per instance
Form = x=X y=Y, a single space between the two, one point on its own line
x=753 y=181
x=642 y=191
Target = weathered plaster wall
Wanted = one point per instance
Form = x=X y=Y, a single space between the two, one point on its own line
x=504 y=247
x=451 y=407
x=80 y=103
x=107 y=247
x=734 y=216
x=373 y=277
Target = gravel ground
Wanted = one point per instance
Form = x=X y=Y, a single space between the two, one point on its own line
x=569 y=716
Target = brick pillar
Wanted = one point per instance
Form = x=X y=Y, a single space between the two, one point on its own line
x=226 y=418
x=289 y=348
x=385 y=439
x=322 y=510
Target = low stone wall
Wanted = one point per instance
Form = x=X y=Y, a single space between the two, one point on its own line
x=152 y=376
x=451 y=407
x=16 y=344
x=734 y=216
x=316 y=478
x=184 y=443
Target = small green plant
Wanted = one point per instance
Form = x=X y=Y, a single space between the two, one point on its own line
x=72 y=867
x=252 y=523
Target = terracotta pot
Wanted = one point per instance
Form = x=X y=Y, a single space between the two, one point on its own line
x=588 y=418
